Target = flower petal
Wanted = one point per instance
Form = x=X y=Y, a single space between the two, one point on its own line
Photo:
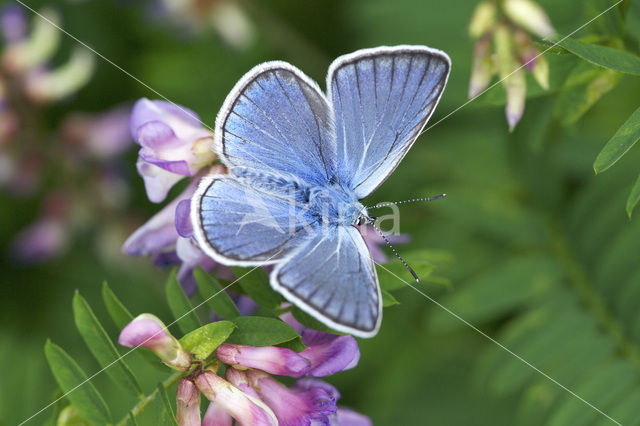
x=157 y=181
x=329 y=353
x=272 y=359
x=246 y=409
x=216 y=416
x=308 y=400
x=348 y=417
x=183 y=219
x=188 y=403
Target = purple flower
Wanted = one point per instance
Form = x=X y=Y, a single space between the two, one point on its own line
x=173 y=145
x=375 y=241
x=272 y=359
x=246 y=409
x=187 y=403
x=41 y=241
x=168 y=237
x=328 y=353
x=48 y=236
x=159 y=233
x=101 y=136
x=13 y=22
x=347 y=417
x=307 y=402
x=149 y=331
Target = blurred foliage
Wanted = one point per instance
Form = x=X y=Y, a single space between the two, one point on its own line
x=543 y=255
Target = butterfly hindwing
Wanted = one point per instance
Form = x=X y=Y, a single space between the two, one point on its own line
x=333 y=278
x=241 y=225
x=382 y=99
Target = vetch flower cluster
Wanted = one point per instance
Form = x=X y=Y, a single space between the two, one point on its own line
x=77 y=160
x=237 y=379
x=174 y=145
x=502 y=31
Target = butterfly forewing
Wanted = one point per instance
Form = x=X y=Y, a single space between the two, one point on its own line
x=382 y=99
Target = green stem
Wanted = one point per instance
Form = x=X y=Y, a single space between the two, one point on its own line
x=145 y=401
x=578 y=277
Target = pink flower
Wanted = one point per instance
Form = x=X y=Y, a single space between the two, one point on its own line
x=149 y=331
x=246 y=409
x=216 y=416
x=188 y=403
x=328 y=353
x=272 y=359
x=306 y=402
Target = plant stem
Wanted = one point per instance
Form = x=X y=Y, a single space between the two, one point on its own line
x=145 y=401
x=578 y=277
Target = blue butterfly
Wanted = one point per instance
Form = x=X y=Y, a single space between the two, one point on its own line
x=299 y=162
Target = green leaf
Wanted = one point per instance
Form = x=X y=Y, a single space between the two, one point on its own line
x=166 y=412
x=388 y=299
x=497 y=292
x=634 y=197
x=72 y=380
x=310 y=322
x=204 y=340
x=180 y=305
x=212 y=292
x=584 y=87
x=118 y=312
x=613 y=59
x=295 y=345
x=606 y=385
x=626 y=136
x=261 y=331
x=102 y=347
x=256 y=284
x=121 y=317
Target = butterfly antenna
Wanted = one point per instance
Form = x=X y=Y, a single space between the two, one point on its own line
x=413 y=200
x=409 y=268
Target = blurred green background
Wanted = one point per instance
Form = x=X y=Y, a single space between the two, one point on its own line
x=539 y=251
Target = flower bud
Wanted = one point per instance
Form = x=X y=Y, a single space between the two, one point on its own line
x=38 y=48
x=512 y=76
x=272 y=359
x=482 y=69
x=148 y=331
x=483 y=18
x=530 y=16
x=187 y=403
x=70 y=416
x=246 y=409
x=532 y=59
x=48 y=86
x=233 y=25
x=540 y=72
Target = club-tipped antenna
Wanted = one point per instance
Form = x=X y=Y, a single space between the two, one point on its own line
x=413 y=200
x=409 y=268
